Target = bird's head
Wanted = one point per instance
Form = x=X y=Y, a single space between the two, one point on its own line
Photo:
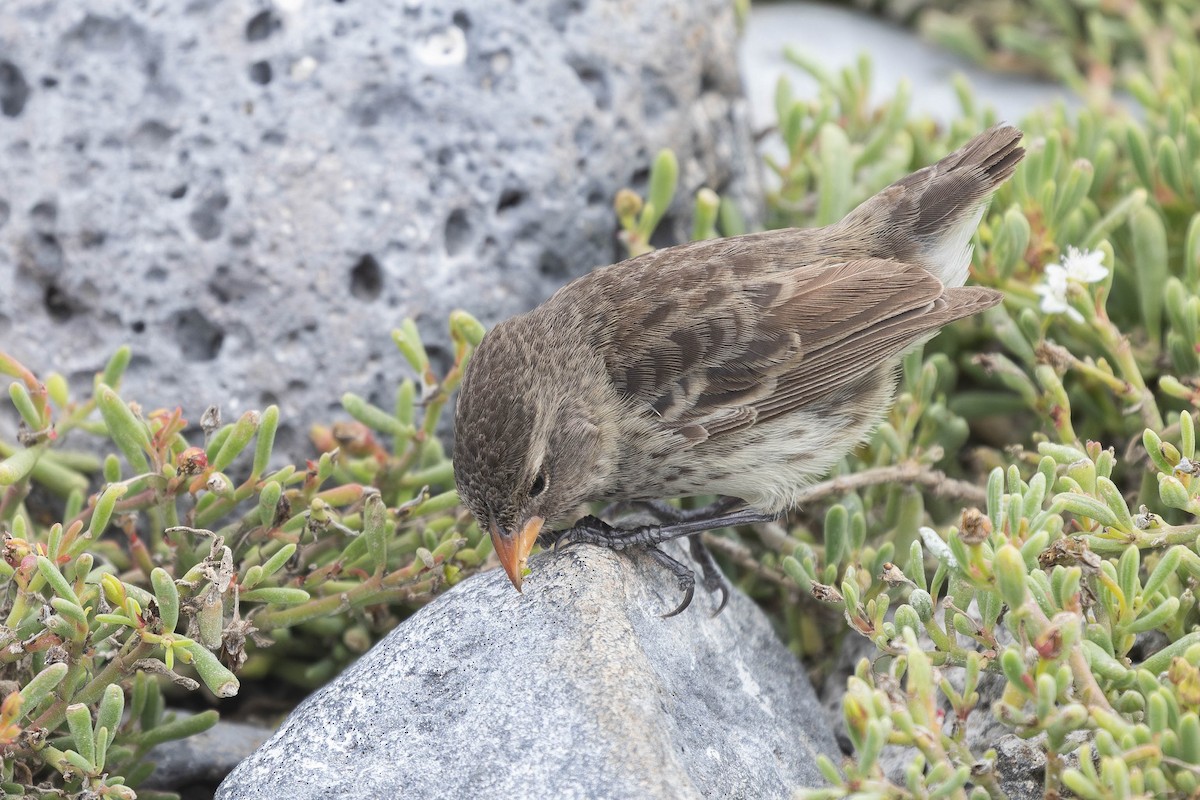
x=528 y=442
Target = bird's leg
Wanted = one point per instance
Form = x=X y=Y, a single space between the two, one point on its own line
x=712 y=578
x=717 y=508
x=660 y=509
x=664 y=512
x=592 y=530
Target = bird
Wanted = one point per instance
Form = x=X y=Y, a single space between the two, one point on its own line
x=743 y=367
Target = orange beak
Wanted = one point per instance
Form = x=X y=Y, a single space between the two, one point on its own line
x=514 y=550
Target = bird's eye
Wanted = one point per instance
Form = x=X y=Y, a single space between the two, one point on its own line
x=539 y=484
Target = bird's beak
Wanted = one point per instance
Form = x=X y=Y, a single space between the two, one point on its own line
x=513 y=549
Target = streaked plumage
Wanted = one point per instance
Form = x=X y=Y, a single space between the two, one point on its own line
x=743 y=367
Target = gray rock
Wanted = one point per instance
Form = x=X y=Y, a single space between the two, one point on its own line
x=1021 y=766
x=1021 y=763
x=206 y=758
x=253 y=194
x=836 y=37
x=574 y=689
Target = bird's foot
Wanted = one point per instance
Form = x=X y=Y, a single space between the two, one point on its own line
x=592 y=530
x=684 y=577
x=712 y=578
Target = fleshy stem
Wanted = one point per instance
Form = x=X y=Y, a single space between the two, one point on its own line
x=53 y=716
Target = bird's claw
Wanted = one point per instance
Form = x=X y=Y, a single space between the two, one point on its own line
x=593 y=530
x=688 y=593
x=684 y=576
x=712 y=584
x=710 y=574
x=724 y=599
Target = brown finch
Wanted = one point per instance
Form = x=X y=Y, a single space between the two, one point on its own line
x=742 y=367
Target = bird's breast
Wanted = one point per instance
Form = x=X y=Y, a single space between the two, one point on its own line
x=766 y=464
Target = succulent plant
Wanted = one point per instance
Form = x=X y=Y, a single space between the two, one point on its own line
x=1026 y=517
x=201 y=560
x=1066 y=417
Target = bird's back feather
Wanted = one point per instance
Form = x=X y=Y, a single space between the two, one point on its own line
x=722 y=355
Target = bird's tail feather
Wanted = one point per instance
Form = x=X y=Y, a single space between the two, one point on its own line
x=929 y=217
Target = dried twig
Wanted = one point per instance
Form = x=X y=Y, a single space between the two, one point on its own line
x=907 y=473
x=741 y=555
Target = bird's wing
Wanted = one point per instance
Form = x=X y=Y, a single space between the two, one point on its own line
x=717 y=351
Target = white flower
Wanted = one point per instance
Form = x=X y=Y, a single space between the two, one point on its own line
x=1053 y=291
x=1084 y=266
x=1079 y=267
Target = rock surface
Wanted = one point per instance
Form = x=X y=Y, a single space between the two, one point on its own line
x=253 y=194
x=200 y=762
x=574 y=689
x=836 y=36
